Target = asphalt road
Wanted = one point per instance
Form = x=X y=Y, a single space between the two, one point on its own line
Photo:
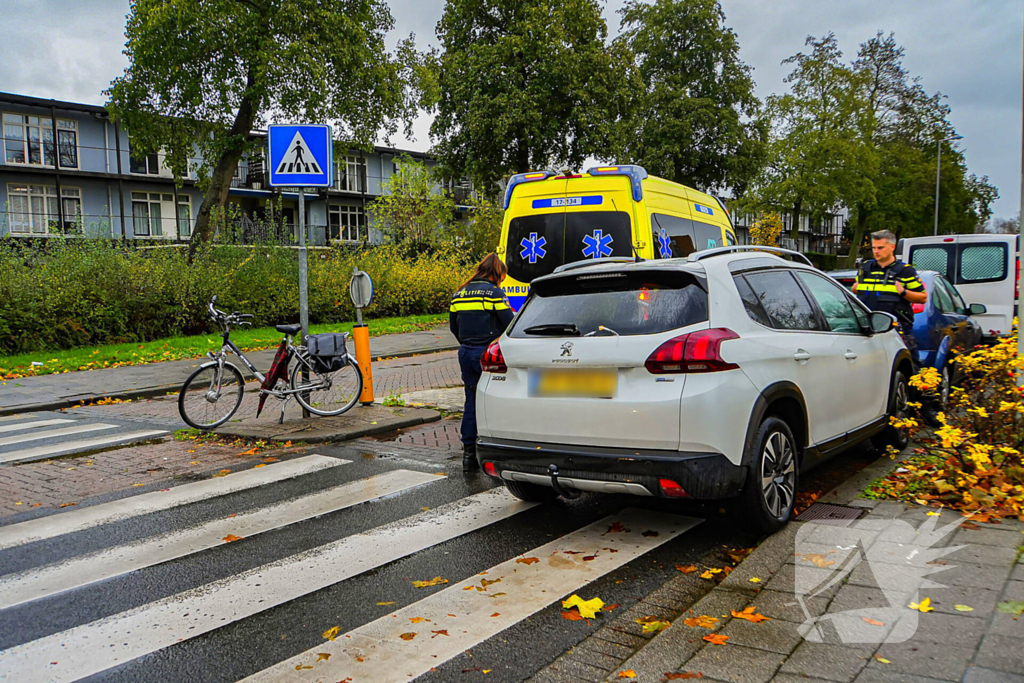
x=110 y=593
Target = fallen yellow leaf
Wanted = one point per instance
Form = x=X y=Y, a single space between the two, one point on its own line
x=332 y=633
x=251 y=451
x=716 y=638
x=749 y=614
x=323 y=656
x=963 y=608
x=527 y=560
x=230 y=538
x=587 y=608
x=415 y=620
x=407 y=636
x=883 y=660
x=702 y=621
x=384 y=604
x=873 y=622
x=688 y=569
x=923 y=606
x=432 y=582
x=262 y=464
x=754 y=579
x=300 y=667
x=628 y=673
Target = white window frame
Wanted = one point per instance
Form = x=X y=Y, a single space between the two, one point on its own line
x=39 y=222
x=184 y=200
x=351 y=221
x=354 y=180
x=168 y=224
x=42 y=124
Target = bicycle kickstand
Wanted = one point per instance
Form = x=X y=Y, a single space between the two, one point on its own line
x=284 y=404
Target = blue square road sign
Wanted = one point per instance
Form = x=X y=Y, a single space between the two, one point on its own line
x=300 y=155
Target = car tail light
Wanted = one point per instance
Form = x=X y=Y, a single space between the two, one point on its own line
x=918 y=308
x=1016 y=282
x=691 y=353
x=492 y=360
x=490 y=469
x=672 y=489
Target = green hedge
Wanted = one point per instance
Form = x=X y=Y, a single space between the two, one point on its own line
x=68 y=293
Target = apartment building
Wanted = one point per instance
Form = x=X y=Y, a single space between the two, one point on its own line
x=85 y=181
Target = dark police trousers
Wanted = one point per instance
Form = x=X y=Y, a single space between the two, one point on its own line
x=469 y=362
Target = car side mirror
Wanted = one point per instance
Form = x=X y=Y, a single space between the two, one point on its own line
x=882 y=322
x=978 y=309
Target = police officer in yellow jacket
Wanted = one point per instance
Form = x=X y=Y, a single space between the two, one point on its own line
x=885 y=284
x=478 y=315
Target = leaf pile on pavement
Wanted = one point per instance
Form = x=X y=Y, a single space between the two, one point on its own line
x=973 y=462
x=702 y=621
x=432 y=582
x=653 y=624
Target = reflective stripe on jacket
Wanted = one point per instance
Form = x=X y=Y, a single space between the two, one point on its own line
x=479 y=313
x=876 y=287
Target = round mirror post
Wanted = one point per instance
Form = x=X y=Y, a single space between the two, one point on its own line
x=360 y=289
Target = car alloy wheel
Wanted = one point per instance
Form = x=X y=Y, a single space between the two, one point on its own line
x=778 y=474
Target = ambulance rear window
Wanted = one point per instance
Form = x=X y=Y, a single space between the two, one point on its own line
x=632 y=304
x=540 y=243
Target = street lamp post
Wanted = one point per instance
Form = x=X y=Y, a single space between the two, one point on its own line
x=938 y=172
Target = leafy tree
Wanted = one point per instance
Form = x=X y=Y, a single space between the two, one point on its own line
x=525 y=84
x=202 y=74
x=816 y=160
x=696 y=119
x=1007 y=226
x=766 y=229
x=482 y=229
x=412 y=210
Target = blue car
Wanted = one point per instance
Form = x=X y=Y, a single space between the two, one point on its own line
x=942 y=326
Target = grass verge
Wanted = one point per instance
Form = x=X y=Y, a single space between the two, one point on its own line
x=179 y=348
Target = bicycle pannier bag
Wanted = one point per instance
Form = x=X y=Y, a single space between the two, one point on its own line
x=327 y=351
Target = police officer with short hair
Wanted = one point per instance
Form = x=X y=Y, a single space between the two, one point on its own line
x=478 y=315
x=888 y=285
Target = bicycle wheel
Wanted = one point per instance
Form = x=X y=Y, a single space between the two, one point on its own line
x=331 y=393
x=202 y=405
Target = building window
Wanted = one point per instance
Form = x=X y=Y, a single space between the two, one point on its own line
x=346 y=223
x=153 y=214
x=29 y=140
x=144 y=165
x=351 y=176
x=32 y=209
x=184 y=215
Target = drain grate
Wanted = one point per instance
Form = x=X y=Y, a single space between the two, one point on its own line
x=833 y=515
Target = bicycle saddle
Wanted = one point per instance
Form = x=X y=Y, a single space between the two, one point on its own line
x=289 y=329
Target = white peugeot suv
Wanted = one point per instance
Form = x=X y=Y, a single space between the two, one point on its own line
x=723 y=374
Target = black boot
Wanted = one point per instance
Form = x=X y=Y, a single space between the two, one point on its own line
x=469 y=463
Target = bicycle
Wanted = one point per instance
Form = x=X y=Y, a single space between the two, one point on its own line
x=329 y=384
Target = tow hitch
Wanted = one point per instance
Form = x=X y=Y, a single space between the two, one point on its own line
x=564 y=493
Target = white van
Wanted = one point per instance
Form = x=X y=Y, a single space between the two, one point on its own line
x=984 y=269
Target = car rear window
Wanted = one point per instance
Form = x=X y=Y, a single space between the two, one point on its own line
x=629 y=303
x=935 y=258
x=982 y=263
x=540 y=243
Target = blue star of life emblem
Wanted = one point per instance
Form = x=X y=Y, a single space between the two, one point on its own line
x=533 y=248
x=597 y=245
x=664 y=245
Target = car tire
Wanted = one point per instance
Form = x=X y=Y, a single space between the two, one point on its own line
x=898 y=398
x=769 y=493
x=531 y=493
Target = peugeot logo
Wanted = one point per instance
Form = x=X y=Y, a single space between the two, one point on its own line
x=567 y=349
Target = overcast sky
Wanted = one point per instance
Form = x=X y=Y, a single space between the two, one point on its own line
x=970 y=51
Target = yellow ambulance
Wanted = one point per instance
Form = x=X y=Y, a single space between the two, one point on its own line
x=610 y=211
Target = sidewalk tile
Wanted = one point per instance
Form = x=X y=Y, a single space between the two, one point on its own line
x=578 y=670
x=1005 y=625
x=959 y=629
x=736 y=664
x=831 y=662
x=810 y=577
x=979 y=674
x=806 y=549
x=614 y=635
x=970 y=575
x=833 y=536
x=904 y=579
x=1018 y=571
x=594 y=644
x=590 y=658
x=899 y=553
x=773 y=636
x=715 y=604
x=1014 y=590
x=1002 y=653
x=943 y=599
x=864 y=503
x=879 y=673
x=945 y=662
x=669 y=651
x=852 y=597
x=996 y=537
x=984 y=554
x=766 y=559
x=775 y=604
x=886 y=509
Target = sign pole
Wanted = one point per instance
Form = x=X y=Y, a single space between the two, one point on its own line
x=303 y=276
x=1020 y=254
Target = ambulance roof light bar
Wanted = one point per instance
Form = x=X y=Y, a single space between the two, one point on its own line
x=636 y=175
x=523 y=178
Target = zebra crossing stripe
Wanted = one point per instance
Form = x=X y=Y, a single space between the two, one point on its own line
x=53 y=433
x=31 y=425
x=51 y=526
x=468 y=613
x=91 y=648
x=41 y=582
x=67 y=447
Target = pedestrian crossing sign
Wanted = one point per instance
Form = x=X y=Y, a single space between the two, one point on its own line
x=300 y=155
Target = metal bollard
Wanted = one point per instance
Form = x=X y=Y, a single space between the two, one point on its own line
x=361 y=335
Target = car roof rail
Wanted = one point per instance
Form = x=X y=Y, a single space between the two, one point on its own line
x=593 y=262
x=720 y=251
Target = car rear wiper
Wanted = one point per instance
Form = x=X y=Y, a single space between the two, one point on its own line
x=554 y=329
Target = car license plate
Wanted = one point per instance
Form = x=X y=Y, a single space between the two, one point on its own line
x=574 y=383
